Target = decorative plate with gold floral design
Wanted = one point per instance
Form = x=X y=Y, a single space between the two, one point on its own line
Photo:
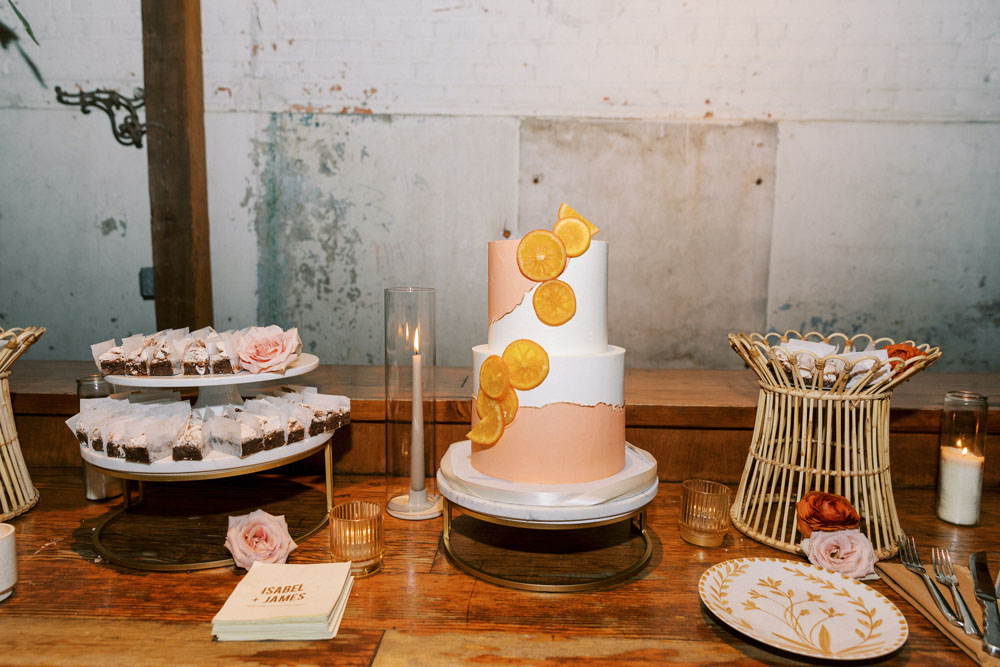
x=803 y=609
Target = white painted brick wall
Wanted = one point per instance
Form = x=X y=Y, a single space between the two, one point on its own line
x=770 y=59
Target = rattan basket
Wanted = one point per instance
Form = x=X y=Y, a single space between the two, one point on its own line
x=821 y=430
x=17 y=493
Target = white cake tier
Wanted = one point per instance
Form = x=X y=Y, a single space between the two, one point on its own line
x=512 y=313
x=580 y=379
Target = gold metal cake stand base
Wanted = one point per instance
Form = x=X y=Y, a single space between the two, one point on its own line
x=636 y=519
x=112 y=556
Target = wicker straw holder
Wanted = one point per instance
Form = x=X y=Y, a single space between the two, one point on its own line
x=17 y=493
x=821 y=430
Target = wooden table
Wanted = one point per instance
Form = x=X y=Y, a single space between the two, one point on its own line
x=70 y=607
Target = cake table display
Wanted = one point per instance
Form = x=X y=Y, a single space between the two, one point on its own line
x=822 y=425
x=547 y=448
x=216 y=392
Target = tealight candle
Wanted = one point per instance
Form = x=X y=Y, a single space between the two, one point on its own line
x=963 y=441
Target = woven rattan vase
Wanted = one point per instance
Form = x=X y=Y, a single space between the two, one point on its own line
x=17 y=493
x=820 y=430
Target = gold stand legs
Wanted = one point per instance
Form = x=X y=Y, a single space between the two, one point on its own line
x=128 y=502
x=637 y=522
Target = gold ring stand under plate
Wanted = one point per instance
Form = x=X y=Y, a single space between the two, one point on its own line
x=637 y=521
x=323 y=441
x=630 y=508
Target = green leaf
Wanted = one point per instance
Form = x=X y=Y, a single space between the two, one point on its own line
x=24 y=22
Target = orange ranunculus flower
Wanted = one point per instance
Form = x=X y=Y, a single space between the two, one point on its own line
x=903 y=351
x=825 y=512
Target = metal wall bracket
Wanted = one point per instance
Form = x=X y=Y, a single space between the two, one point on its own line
x=129 y=131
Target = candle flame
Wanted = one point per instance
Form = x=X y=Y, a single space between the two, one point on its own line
x=416 y=341
x=965 y=450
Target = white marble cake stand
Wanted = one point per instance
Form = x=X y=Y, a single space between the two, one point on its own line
x=631 y=507
x=216 y=389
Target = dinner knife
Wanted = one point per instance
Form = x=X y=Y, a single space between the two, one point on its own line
x=987 y=595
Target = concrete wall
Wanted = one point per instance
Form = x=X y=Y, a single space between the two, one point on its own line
x=755 y=166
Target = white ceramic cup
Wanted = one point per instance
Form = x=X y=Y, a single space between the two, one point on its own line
x=8 y=561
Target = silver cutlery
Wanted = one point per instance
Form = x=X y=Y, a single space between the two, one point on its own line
x=985 y=591
x=911 y=559
x=944 y=572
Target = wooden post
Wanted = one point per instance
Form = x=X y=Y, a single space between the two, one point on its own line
x=178 y=191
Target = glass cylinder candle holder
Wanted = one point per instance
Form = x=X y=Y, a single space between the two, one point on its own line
x=963 y=455
x=410 y=457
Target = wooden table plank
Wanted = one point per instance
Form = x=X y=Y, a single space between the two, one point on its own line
x=71 y=606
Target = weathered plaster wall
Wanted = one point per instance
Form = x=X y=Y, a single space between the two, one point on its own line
x=755 y=165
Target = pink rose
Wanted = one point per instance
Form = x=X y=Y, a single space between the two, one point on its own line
x=258 y=536
x=268 y=349
x=848 y=552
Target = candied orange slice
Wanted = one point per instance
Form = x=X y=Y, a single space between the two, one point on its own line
x=555 y=302
x=490 y=428
x=508 y=405
x=541 y=255
x=574 y=234
x=527 y=363
x=493 y=377
x=566 y=211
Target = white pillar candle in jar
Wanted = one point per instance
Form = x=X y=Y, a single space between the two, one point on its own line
x=959 y=485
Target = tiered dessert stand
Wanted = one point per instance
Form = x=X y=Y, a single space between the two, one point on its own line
x=213 y=391
x=621 y=497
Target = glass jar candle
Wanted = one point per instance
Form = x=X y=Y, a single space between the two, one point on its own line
x=963 y=457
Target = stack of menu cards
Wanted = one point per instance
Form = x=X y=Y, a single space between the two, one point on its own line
x=286 y=602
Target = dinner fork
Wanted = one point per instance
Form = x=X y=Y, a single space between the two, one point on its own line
x=944 y=572
x=911 y=559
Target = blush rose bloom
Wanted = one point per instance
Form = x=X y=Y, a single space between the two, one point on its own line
x=825 y=512
x=258 y=536
x=268 y=349
x=848 y=552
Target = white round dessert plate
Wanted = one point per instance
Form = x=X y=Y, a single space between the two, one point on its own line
x=639 y=471
x=305 y=363
x=214 y=461
x=553 y=515
x=804 y=609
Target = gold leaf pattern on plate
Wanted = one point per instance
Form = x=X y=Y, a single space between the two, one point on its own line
x=802 y=608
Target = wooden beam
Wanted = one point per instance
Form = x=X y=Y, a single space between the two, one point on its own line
x=178 y=190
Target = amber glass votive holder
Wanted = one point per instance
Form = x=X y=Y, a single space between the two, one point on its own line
x=704 y=517
x=356 y=535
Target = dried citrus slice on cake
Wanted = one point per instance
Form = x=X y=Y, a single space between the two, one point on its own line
x=541 y=255
x=493 y=377
x=527 y=363
x=566 y=211
x=555 y=302
x=508 y=405
x=574 y=234
x=490 y=428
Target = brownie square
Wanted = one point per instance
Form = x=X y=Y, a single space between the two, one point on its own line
x=222 y=366
x=161 y=367
x=113 y=367
x=187 y=453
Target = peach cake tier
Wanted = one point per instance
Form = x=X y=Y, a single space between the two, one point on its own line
x=571 y=427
